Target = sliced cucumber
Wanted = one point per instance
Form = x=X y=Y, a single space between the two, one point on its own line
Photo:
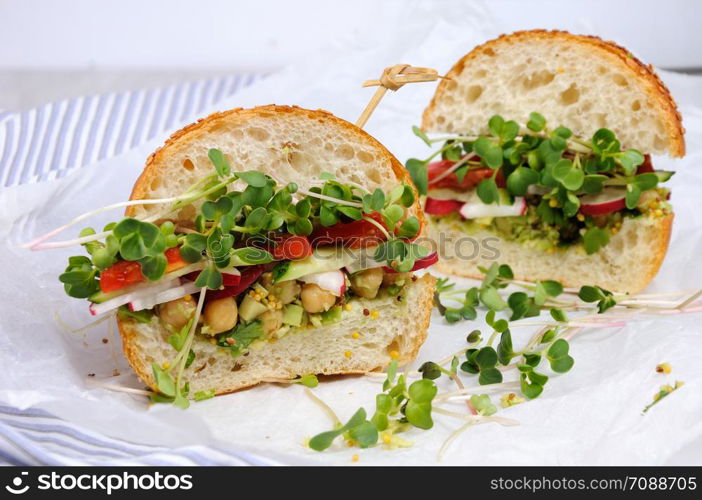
x=250 y=309
x=664 y=175
x=332 y=315
x=292 y=315
x=323 y=259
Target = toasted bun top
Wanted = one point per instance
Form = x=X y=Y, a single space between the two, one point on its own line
x=287 y=142
x=580 y=82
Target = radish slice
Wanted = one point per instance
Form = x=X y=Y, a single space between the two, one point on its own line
x=422 y=263
x=166 y=296
x=436 y=206
x=332 y=281
x=120 y=300
x=609 y=200
x=476 y=209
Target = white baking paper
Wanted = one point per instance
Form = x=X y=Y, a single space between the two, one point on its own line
x=591 y=415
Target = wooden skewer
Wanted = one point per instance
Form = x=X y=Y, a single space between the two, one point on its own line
x=393 y=78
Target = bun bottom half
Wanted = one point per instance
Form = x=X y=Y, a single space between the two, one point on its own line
x=386 y=325
x=627 y=264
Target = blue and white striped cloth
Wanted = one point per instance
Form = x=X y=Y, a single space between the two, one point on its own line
x=46 y=143
x=35 y=437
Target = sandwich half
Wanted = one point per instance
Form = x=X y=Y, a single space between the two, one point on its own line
x=546 y=142
x=278 y=243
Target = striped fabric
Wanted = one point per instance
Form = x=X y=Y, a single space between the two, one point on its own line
x=35 y=437
x=47 y=142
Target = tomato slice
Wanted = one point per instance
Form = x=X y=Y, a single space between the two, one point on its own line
x=291 y=247
x=120 y=275
x=470 y=180
x=249 y=275
x=355 y=234
x=435 y=206
x=175 y=261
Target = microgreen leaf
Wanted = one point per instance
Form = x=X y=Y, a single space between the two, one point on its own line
x=594 y=239
x=504 y=348
x=418 y=409
x=220 y=163
x=489 y=152
x=418 y=171
x=482 y=404
x=420 y=133
x=322 y=441
x=209 y=277
x=487 y=191
x=253 y=178
x=492 y=299
x=430 y=370
x=536 y=122
x=558 y=356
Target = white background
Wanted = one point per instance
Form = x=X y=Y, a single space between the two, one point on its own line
x=60 y=48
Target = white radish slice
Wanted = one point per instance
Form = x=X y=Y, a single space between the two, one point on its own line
x=332 y=281
x=166 y=296
x=120 y=300
x=609 y=200
x=476 y=209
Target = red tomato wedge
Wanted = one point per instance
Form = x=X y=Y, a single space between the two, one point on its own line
x=422 y=263
x=355 y=234
x=248 y=277
x=127 y=273
x=120 y=275
x=175 y=261
x=291 y=247
x=470 y=180
x=435 y=206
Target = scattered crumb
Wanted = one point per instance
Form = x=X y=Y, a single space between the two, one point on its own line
x=105 y=341
x=366 y=312
x=91 y=374
x=355 y=458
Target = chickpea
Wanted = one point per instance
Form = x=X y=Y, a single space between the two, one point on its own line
x=315 y=299
x=220 y=315
x=393 y=278
x=271 y=321
x=177 y=312
x=366 y=283
x=287 y=291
